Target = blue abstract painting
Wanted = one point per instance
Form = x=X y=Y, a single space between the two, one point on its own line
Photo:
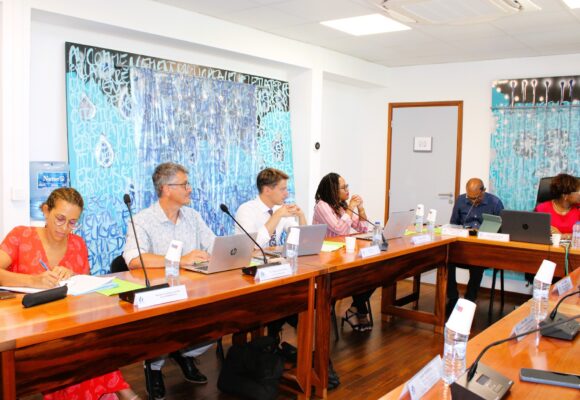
x=126 y=113
x=536 y=133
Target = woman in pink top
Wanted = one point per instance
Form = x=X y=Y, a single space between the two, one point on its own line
x=564 y=209
x=334 y=209
x=40 y=258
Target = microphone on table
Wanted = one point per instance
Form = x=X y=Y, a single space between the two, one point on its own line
x=384 y=245
x=130 y=295
x=489 y=384
x=249 y=270
x=567 y=331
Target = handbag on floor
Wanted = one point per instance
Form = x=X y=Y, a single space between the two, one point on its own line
x=252 y=370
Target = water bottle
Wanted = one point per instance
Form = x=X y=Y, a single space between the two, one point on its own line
x=457 y=331
x=419 y=214
x=576 y=236
x=377 y=234
x=431 y=218
x=291 y=247
x=172 y=260
x=454 y=355
x=292 y=256
x=540 y=300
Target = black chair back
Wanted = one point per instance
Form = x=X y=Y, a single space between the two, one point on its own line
x=119 y=264
x=544 y=190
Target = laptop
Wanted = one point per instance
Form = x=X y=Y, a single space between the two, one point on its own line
x=310 y=242
x=398 y=222
x=525 y=226
x=229 y=252
x=491 y=223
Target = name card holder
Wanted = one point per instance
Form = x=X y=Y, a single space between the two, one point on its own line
x=447 y=230
x=421 y=239
x=273 y=272
x=424 y=380
x=160 y=296
x=498 y=237
x=370 y=251
x=525 y=324
x=564 y=285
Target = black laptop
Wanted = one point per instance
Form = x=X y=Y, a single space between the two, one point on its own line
x=525 y=226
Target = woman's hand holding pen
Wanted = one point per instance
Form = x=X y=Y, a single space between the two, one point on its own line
x=46 y=280
x=63 y=273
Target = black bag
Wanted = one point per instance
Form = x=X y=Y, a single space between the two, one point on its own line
x=252 y=370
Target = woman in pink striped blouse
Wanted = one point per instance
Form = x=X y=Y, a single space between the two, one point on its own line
x=334 y=209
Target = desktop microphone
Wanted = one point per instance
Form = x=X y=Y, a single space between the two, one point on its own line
x=567 y=331
x=248 y=270
x=130 y=295
x=384 y=245
x=489 y=384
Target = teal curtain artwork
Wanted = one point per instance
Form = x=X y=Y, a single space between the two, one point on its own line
x=126 y=113
x=536 y=134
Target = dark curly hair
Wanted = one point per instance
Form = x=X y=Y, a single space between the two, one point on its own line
x=327 y=191
x=67 y=194
x=563 y=184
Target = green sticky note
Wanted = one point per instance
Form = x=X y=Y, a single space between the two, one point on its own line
x=122 y=286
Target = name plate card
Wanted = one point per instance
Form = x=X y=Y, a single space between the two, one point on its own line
x=447 y=230
x=498 y=237
x=160 y=296
x=370 y=251
x=424 y=380
x=524 y=325
x=564 y=285
x=421 y=239
x=273 y=272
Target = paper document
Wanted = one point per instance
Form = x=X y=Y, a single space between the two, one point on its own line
x=81 y=284
x=20 y=289
x=328 y=246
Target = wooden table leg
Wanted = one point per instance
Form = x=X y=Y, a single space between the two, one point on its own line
x=7 y=376
x=322 y=338
x=305 y=339
x=388 y=298
x=440 y=298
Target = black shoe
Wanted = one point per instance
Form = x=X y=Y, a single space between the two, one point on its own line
x=289 y=352
x=157 y=383
x=190 y=371
x=333 y=379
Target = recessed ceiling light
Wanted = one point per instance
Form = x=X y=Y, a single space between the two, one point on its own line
x=572 y=3
x=366 y=25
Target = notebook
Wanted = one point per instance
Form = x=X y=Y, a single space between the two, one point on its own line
x=229 y=252
x=525 y=226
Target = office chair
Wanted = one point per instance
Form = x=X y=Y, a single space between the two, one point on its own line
x=544 y=193
x=118 y=264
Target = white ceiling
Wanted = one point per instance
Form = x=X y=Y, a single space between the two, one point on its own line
x=555 y=29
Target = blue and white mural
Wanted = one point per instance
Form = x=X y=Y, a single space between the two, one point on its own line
x=536 y=133
x=126 y=113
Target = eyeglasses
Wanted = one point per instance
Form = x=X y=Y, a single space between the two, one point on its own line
x=345 y=187
x=60 y=220
x=185 y=185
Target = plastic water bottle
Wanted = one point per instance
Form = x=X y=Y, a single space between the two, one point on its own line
x=172 y=259
x=419 y=214
x=454 y=355
x=292 y=256
x=431 y=218
x=576 y=236
x=172 y=272
x=377 y=234
x=540 y=300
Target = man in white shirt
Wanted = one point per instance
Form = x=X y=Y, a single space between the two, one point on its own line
x=267 y=214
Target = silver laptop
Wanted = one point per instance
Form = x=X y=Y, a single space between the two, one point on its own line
x=398 y=222
x=310 y=242
x=229 y=252
x=525 y=226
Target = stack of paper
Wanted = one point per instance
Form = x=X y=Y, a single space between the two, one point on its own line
x=81 y=284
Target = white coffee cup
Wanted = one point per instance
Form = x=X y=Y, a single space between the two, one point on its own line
x=350 y=244
x=556 y=237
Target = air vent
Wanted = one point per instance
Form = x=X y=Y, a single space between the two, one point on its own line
x=452 y=12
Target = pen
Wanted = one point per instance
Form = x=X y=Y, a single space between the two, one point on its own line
x=44 y=265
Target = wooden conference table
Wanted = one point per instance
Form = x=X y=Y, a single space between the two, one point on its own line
x=54 y=345
x=508 y=358
x=57 y=344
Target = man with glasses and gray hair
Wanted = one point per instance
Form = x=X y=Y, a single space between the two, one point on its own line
x=169 y=219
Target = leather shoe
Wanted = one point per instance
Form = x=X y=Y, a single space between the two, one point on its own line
x=156 y=379
x=190 y=371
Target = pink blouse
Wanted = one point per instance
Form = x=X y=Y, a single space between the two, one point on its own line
x=337 y=225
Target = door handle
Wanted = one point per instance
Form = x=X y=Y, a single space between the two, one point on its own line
x=445 y=194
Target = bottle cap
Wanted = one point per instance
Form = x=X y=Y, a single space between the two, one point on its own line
x=546 y=272
x=174 y=251
x=461 y=317
x=293 y=236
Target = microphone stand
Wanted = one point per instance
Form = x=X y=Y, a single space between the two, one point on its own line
x=130 y=295
x=249 y=270
x=384 y=245
x=567 y=331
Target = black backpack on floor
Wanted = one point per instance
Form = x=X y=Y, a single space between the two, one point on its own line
x=252 y=370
